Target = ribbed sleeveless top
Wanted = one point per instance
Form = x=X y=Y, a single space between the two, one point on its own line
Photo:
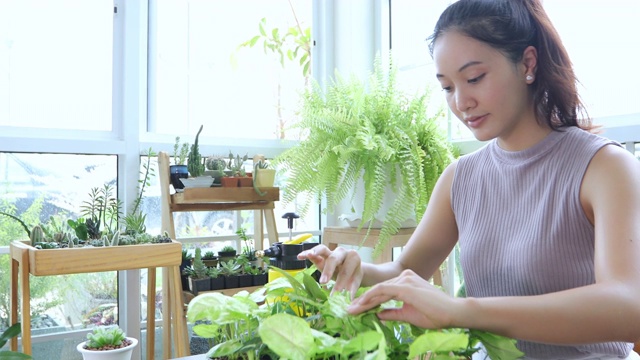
x=522 y=229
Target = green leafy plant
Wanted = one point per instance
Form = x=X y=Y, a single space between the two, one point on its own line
x=194 y=164
x=105 y=338
x=227 y=248
x=134 y=221
x=9 y=333
x=298 y=319
x=199 y=269
x=248 y=249
x=208 y=255
x=370 y=131
x=180 y=152
x=230 y=267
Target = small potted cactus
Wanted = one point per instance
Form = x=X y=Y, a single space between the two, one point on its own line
x=107 y=343
x=215 y=166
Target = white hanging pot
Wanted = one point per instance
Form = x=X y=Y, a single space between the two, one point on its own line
x=354 y=217
x=115 y=354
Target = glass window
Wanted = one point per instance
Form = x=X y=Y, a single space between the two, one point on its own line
x=47 y=188
x=201 y=74
x=600 y=38
x=56 y=64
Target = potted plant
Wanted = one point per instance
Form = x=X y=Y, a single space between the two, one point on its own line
x=245 y=276
x=217 y=280
x=210 y=259
x=293 y=317
x=196 y=167
x=199 y=280
x=230 y=270
x=227 y=253
x=187 y=258
x=179 y=169
x=263 y=175
x=215 y=166
x=364 y=138
x=248 y=249
x=260 y=276
x=236 y=170
x=107 y=343
x=11 y=332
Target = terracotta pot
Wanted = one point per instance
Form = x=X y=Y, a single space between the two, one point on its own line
x=245 y=181
x=229 y=181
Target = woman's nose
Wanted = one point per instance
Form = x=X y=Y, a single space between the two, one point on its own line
x=463 y=101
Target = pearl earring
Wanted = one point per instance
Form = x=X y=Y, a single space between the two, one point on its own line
x=529 y=77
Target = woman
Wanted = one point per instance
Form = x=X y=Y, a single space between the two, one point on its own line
x=546 y=213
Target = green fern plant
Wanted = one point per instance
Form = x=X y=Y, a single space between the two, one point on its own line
x=371 y=130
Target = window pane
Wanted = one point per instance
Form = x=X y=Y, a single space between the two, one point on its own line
x=602 y=41
x=38 y=188
x=411 y=23
x=56 y=63
x=202 y=76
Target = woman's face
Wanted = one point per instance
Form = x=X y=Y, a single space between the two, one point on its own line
x=484 y=89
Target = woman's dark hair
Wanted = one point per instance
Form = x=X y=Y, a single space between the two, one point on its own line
x=510 y=26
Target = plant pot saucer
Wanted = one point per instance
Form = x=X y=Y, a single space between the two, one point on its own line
x=198 y=182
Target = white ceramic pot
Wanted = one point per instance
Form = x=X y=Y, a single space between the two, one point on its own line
x=264 y=177
x=117 y=354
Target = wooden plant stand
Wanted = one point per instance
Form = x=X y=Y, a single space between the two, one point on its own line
x=25 y=260
x=214 y=199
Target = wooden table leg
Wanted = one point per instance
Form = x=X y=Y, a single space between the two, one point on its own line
x=26 y=305
x=272 y=230
x=181 y=338
x=151 y=313
x=13 y=316
x=166 y=315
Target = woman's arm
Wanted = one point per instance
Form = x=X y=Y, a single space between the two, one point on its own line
x=430 y=244
x=608 y=310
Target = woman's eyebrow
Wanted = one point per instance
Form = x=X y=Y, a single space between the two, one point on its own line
x=470 y=63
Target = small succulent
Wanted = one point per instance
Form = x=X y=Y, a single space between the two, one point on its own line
x=105 y=337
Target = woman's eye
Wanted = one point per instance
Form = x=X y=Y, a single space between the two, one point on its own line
x=446 y=88
x=476 y=79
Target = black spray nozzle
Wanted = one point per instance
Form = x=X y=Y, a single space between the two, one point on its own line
x=290 y=216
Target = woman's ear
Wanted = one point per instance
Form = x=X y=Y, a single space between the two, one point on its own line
x=530 y=63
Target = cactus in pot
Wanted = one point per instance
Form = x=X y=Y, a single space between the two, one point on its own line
x=194 y=163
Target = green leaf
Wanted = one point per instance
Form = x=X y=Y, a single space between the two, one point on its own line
x=12 y=355
x=498 y=347
x=12 y=331
x=438 y=342
x=313 y=288
x=288 y=336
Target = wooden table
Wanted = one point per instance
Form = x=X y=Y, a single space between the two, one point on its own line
x=25 y=260
x=332 y=236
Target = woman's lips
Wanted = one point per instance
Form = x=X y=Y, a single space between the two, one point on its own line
x=475 y=121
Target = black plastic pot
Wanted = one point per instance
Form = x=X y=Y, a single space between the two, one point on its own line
x=176 y=173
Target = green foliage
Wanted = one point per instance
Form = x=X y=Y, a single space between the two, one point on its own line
x=199 y=269
x=101 y=211
x=293 y=44
x=236 y=164
x=230 y=267
x=134 y=221
x=105 y=336
x=227 y=248
x=299 y=319
x=194 y=164
x=180 y=152
x=9 y=333
x=373 y=131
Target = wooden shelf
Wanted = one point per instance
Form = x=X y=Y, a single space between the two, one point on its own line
x=98 y=259
x=217 y=199
x=26 y=260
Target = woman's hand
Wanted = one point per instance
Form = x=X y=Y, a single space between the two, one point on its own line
x=343 y=265
x=424 y=305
